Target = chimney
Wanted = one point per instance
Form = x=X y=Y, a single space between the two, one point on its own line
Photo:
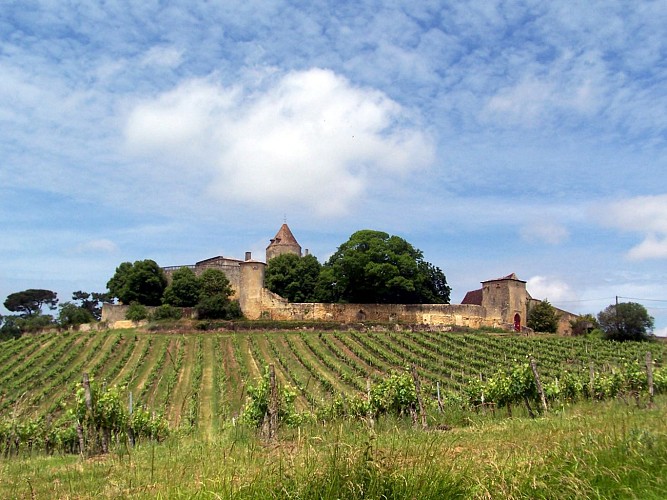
x=307 y=252
x=248 y=256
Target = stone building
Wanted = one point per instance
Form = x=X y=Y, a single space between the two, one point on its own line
x=283 y=242
x=508 y=299
x=501 y=303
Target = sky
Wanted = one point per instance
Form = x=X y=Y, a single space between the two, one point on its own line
x=498 y=137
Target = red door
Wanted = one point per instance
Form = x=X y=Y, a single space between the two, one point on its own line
x=517 y=322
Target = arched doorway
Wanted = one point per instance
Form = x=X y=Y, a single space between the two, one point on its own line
x=517 y=322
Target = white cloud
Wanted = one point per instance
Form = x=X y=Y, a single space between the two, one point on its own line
x=545 y=232
x=168 y=57
x=97 y=246
x=653 y=247
x=308 y=139
x=645 y=215
x=553 y=289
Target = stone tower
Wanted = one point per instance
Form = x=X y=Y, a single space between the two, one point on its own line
x=506 y=298
x=283 y=242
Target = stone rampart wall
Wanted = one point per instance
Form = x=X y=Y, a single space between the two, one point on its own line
x=275 y=307
x=111 y=313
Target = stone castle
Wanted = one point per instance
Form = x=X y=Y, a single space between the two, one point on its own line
x=501 y=303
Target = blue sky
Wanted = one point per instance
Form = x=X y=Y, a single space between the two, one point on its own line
x=497 y=137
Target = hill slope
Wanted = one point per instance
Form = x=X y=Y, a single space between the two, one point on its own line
x=201 y=378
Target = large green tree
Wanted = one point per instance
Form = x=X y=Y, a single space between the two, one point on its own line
x=626 y=321
x=374 y=267
x=214 y=282
x=143 y=282
x=30 y=302
x=214 y=297
x=543 y=317
x=293 y=277
x=184 y=289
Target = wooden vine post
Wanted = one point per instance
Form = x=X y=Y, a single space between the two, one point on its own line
x=422 y=413
x=273 y=403
x=88 y=398
x=540 y=390
x=649 y=377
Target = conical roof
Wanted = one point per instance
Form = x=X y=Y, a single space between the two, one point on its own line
x=284 y=236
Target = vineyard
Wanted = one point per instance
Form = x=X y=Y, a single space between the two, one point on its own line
x=200 y=380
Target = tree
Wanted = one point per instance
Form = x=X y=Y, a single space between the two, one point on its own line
x=214 y=282
x=293 y=277
x=30 y=302
x=184 y=289
x=626 y=321
x=214 y=297
x=373 y=267
x=92 y=302
x=218 y=307
x=542 y=317
x=73 y=315
x=10 y=328
x=143 y=282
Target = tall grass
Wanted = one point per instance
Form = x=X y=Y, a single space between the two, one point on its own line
x=591 y=450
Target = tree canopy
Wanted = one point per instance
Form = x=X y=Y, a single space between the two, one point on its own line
x=73 y=315
x=214 y=282
x=542 y=317
x=294 y=278
x=184 y=289
x=214 y=297
x=626 y=321
x=374 y=267
x=143 y=282
x=91 y=302
x=30 y=302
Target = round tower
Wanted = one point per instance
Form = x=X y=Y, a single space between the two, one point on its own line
x=252 y=284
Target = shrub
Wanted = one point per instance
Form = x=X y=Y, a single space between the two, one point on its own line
x=136 y=312
x=542 y=317
x=218 y=307
x=166 y=312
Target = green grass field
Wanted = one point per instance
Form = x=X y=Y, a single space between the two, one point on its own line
x=591 y=450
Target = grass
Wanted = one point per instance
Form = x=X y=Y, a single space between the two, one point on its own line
x=591 y=450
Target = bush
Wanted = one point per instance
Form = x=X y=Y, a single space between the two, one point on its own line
x=136 y=312
x=73 y=315
x=218 y=307
x=542 y=317
x=167 y=312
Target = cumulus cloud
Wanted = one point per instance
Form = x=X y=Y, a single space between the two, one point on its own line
x=544 y=232
x=306 y=139
x=553 y=289
x=646 y=215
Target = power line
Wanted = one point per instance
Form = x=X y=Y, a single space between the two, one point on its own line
x=581 y=300
x=645 y=300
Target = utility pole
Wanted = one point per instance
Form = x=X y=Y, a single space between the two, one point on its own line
x=617 y=322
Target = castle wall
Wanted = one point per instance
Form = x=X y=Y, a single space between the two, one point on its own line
x=274 y=307
x=112 y=313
